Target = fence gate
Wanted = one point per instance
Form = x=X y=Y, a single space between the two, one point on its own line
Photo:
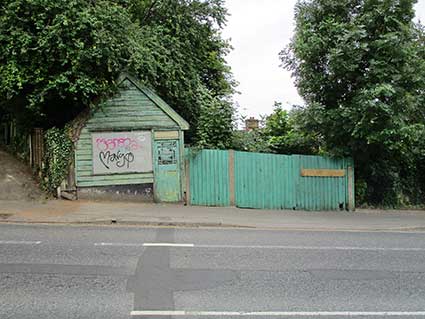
x=271 y=181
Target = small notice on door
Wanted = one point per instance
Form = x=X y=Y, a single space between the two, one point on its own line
x=167 y=152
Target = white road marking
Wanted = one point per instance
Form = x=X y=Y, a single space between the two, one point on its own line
x=120 y=244
x=19 y=242
x=276 y=313
x=312 y=247
x=146 y=244
x=190 y=245
x=167 y=245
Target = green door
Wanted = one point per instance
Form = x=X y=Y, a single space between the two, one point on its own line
x=167 y=171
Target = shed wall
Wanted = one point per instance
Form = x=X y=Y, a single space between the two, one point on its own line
x=128 y=111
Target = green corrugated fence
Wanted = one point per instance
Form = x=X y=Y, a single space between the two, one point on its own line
x=269 y=181
x=208 y=176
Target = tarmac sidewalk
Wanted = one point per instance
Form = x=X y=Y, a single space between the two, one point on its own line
x=149 y=214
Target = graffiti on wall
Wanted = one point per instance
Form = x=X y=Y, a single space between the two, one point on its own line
x=122 y=152
x=117 y=151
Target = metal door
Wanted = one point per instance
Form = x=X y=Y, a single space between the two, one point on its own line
x=167 y=171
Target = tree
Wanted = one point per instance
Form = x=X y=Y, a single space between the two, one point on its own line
x=280 y=132
x=56 y=56
x=60 y=56
x=250 y=141
x=215 y=127
x=181 y=54
x=359 y=64
x=253 y=140
x=285 y=135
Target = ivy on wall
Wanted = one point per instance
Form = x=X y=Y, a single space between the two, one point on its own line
x=57 y=157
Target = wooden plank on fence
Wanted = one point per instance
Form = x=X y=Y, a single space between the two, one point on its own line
x=351 y=195
x=232 y=177
x=187 y=174
x=307 y=172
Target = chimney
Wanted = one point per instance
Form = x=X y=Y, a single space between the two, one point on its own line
x=251 y=124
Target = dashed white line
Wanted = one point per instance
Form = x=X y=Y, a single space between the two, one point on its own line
x=277 y=313
x=168 y=245
x=19 y=242
x=158 y=313
x=120 y=244
x=283 y=247
x=145 y=244
x=313 y=247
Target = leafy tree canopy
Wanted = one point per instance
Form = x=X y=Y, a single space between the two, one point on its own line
x=280 y=132
x=285 y=134
x=181 y=53
x=59 y=56
x=359 y=64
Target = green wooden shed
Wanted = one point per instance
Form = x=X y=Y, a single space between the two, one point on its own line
x=131 y=146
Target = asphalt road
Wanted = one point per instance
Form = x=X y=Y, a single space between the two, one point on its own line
x=130 y=272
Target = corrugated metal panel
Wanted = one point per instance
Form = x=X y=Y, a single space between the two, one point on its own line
x=263 y=181
x=268 y=181
x=209 y=178
x=320 y=193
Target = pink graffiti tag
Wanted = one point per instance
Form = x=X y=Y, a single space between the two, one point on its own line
x=110 y=144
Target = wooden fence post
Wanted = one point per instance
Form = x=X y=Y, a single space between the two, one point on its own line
x=232 y=177
x=187 y=176
x=30 y=150
x=351 y=200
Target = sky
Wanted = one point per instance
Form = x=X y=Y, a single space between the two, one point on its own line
x=259 y=30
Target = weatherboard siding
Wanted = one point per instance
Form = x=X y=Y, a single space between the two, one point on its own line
x=130 y=110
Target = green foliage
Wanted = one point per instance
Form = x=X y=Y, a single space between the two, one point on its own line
x=19 y=143
x=58 y=155
x=250 y=141
x=285 y=133
x=277 y=123
x=215 y=122
x=360 y=66
x=180 y=53
x=59 y=56
x=281 y=132
x=361 y=191
x=56 y=56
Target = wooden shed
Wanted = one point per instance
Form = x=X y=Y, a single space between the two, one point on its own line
x=132 y=146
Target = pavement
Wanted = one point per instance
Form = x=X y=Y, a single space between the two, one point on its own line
x=150 y=214
x=21 y=201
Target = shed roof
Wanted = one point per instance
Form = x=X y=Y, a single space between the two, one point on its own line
x=155 y=99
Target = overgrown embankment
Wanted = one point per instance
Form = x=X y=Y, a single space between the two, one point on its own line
x=16 y=180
